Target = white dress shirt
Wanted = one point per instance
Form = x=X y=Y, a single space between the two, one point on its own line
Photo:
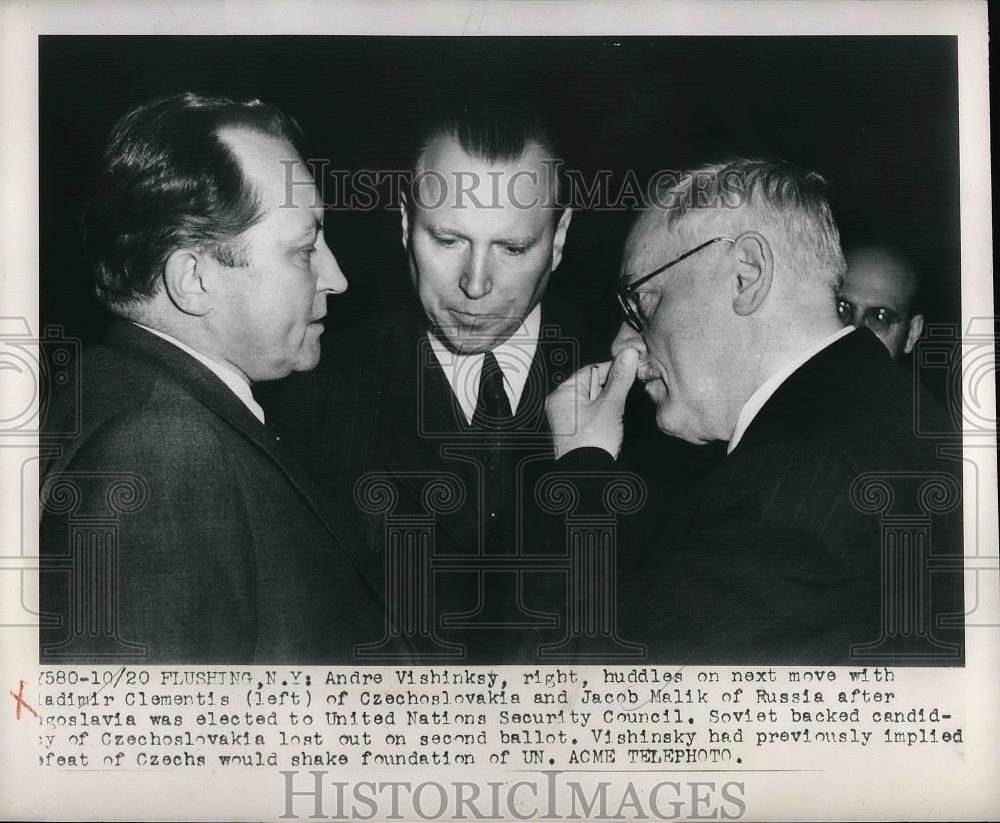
x=763 y=394
x=236 y=382
x=514 y=356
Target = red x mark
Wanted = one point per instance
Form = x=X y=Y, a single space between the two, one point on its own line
x=19 y=697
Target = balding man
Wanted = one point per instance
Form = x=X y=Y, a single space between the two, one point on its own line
x=731 y=324
x=880 y=292
x=175 y=527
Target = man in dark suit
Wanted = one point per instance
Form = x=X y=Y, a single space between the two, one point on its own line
x=175 y=526
x=448 y=392
x=828 y=531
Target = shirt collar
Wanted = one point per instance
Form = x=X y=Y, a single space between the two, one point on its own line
x=514 y=355
x=236 y=383
x=757 y=400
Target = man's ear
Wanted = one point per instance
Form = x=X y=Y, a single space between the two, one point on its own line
x=559 y=239
x=404 y=216
x=754 y=270
x=916 y=329
x=184 y=278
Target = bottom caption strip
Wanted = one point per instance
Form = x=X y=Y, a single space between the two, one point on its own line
x=555 y=718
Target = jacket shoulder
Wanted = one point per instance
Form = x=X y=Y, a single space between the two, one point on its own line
x=857 y=404
x=130 y=413
x=165 y=428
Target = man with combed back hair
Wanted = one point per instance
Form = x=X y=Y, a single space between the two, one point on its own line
x=775 y=553
x=453 y=386
x=175 y=526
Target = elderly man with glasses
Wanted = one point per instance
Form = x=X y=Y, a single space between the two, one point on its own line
x=776 y=552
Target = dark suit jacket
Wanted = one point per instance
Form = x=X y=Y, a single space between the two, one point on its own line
x=222 y=551
x=786 y=551
x=380 y=402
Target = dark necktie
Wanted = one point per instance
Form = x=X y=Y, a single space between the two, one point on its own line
x=499 y=621
x=493 y=414
x=492 y=406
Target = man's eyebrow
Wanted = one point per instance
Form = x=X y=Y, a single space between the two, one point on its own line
x=315 y=228
x=526 y=240
x=625 y=278
x=438 y=228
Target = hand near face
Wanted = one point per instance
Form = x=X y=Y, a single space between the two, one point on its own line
x=577 y=421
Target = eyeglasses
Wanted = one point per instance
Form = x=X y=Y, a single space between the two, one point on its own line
x=878 y=318
x=628 y=299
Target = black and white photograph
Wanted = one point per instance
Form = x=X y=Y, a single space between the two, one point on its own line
x=456 y=410
x=484 y=390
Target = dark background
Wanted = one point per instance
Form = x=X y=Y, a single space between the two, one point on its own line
x=877 y=115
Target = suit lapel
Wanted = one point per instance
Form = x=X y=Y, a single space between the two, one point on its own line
x=415 y=434
x=211 y=392
x=414 y=431
x=810 y=385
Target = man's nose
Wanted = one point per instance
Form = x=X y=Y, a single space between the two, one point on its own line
x=627 y=338
x=477 y=280
x=329 y=277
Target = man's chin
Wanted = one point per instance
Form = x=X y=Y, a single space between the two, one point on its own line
x=670 y=422
x=469 y=348
x=308 y=358
x=469 y=341
x=465 y=333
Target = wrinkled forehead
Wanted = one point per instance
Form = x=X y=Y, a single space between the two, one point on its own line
x=649 y=244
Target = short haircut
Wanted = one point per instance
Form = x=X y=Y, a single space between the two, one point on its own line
x=497 y=130
x=168 y=181
x=774 y=193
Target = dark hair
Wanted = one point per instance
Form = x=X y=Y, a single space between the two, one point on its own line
x=166 y=181
x=496 y=128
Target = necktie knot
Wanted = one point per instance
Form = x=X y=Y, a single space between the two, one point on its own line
x=492 y=406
